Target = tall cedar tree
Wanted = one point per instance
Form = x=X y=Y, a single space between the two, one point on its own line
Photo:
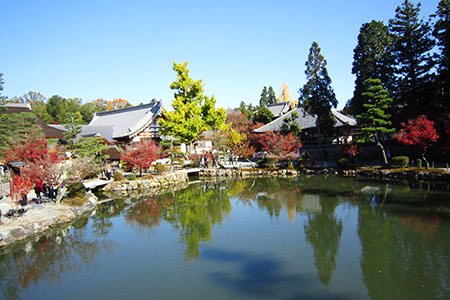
x=420 y=133
x=2 y=98
x=263 y=98
x=372 y=58
x=271 y=98
x=193 y=111
x=317 y=95
x=375 y=121
x=267 y=97
x=442 y=34
x=412 y=46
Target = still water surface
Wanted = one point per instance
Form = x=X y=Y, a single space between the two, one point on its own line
x=303 y=238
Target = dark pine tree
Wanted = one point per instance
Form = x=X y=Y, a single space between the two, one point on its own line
x=263 y=98
x=317 y=96
x=372 y=59
x=442 y=35
x=271 y=98
x=413 y=60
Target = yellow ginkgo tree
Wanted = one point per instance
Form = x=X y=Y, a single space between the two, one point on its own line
x=193 y=112
x=286 y=96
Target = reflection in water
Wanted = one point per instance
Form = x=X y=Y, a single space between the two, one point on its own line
x=47 y=258
x=402 y=231
x=193 y=212
x=323 y=231
x=404 y=257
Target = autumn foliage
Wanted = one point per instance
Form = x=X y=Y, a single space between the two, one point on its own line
x=279 y=145
x=19 y=185
x=419 y=132
x=141 y=155
x=38 y=158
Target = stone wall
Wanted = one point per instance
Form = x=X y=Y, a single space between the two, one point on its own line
x=36 y=221
x=155 y=182
x=245 y=173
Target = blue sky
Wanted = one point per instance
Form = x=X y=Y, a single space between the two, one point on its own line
x=125 y=49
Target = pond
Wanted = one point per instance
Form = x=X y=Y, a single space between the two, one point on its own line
x=316 y=237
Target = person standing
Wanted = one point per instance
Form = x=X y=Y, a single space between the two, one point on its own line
x=38 y=188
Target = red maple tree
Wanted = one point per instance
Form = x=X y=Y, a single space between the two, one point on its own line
x=141 y=155
x=19 y=186
x=280 y=145
x=420 y=133
x=38 y=158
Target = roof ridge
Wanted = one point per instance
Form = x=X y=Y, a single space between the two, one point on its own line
x=110 y=112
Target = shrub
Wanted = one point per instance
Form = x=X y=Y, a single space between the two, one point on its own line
x=290 y=166
x=76 y=201
x=195 y=159
x=118 y=176
x=132 y=177
x=76 y=190
x=343 y=162
x=268 y=161
x=160 y=168
x=302 y=163
x=419 y=163
x=400 y=161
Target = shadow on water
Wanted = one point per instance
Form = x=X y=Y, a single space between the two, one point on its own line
x=262 y=275
x=258 y=274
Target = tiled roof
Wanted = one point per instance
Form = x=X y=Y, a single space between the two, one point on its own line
x=125 y=122
x=305 y=120
x=279 y=109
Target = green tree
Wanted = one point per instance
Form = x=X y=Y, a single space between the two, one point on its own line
x=271 y=97
x=442 y=34
x=60 y=108
x=56 y=108
x=372 y=58
x=18 y=128
x=317 y=95
x=2 y=98
x=193 y=111
x=89 y=147
x=88 y=109
x=375 y=121
x=263 y=98
x=412 y=46
x=290 y=125
x=263 y=115
x=247 y=110
x=267 y=97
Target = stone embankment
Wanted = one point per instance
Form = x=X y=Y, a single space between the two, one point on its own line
x=259 y=172
x=155 y=182
x=40 y=217
x=392 y=174
x=37 y=219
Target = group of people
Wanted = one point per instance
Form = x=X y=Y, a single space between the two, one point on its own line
x=206 y=158
x=47 y=190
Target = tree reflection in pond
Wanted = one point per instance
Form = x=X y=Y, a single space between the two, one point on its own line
x=403 y=257
x=193 y=211
x=50 y=257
